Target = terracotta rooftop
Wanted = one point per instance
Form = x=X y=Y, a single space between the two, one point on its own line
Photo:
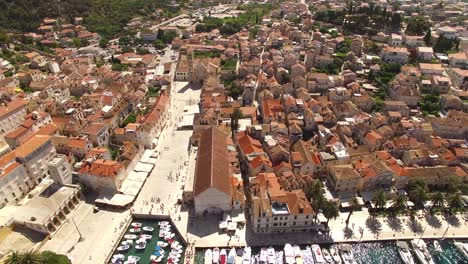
x=212 y=167
x=103 y=168
x=31 y=145
x=11 y=107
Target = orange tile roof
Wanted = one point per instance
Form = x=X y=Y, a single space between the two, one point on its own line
x=77 y=143
x=12 y=107
x=31 y=145
x=103 y=168
x=259 y=160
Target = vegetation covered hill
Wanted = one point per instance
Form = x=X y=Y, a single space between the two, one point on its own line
x=106 y=17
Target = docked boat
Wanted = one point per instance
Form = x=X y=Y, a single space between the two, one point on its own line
x=131 y=236
x=163 y=223
x=156 y=259
x=463 y=248
x=239 y=256
x=208 y=256
x=318 y=256
x=298 y=254
x=289 y=257
x=222 y=256
x=132 y=260
x=169 y=236
x=326 y=255
x=231 y=257
x=263 y=258
x=216 y=255
x=146 y=237
x=307 y=256
x=347 y=255
x=123 y=248
x=334 y=254
x=162 y=244
x=135 y=224
x=279 y=257
x=140 y=244
x=404 y=252
x=118 y=258
x=437 y=246
x=420 y=248
x=148 y=228
x=247 y=255
x=127 y=242
x=135 y=230
x=271 y=256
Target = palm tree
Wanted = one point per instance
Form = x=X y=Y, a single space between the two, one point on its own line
x=315 y=194
x=330 y=211
x=14 y=258
x=455 y=202
x=354 y=206
x=29 y=257
x=437 y=199
x=418 y=195
x=399 y=203
x=380 y=199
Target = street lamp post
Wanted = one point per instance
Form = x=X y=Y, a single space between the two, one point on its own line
x=81 y=238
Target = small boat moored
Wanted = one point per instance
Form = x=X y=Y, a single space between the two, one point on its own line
x=404 y=252
x=208 y=256
x=317 y=252
x=222 y=256
x=463 y=248
x=216 y=255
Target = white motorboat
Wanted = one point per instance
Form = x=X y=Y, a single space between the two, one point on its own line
x=231 y=258
x=346 y=251
x=289 y=257
x=163 y=223
x=148 y=228
x=132 y=260
x=335 y=255
x=318 y=256
x=169 y=236
x=216 y=255
x=162 y=244
x=156 y=259
x=247 y=255
x=420 y=248
x=239 y=256
x=140 y=244
x=127 y=242
x=279 y=256
x=298 y=254
x=131 y=236
x=123 y=248
x=222 y=256
x=462 y=247
x=135 y=230
x=208 y=256
x=326 y=255
x=404 y=252
x=135 y=224
x=263 y=258
x=117 y=258
x=146 y=237
x=437 y=246
x=271 y=256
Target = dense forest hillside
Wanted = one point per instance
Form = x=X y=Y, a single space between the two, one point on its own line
x=106 y=17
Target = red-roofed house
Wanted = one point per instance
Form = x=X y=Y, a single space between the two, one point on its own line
x=102 y=175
